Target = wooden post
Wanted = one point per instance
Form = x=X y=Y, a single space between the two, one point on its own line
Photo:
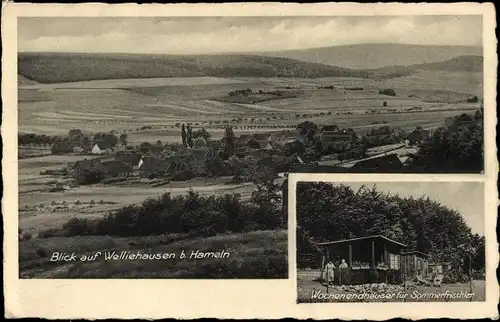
x=373 y=254
x=322 y=269
x=470 y=275
x=403 y=276
x=350 y=255
x=349 y=269
x=327 y=282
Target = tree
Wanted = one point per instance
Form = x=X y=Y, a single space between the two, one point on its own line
x=201 y=133
x=124 y=139
x=106 y=139
x=307 y=130
x=86 y=144
x=473 y=99
x=456 y=148
x=189 y=136
x=184 y=136
x=268 y=198
x=229 y=143
x=61 y=147
x=145 y=147
x=200 y=142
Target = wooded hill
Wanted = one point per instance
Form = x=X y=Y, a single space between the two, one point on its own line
x=71 y=67
x=327 y=212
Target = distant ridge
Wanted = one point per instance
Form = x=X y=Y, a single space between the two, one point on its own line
x=467 y=63
x=72 y=67
x=372 y=56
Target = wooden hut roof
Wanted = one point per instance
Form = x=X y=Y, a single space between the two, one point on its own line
x=361 y=238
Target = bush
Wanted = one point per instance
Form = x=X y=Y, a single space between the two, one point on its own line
x=194 y=214
x=387 y=91
x=77 y=226
x=42 y=252
x=47 y=233
x=473 y=99
x=25 y=236
x=183 y=175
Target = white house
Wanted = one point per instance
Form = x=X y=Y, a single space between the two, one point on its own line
x=96 y=149
x=139 y=164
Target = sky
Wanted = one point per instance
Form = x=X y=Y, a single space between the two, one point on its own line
x=465 y=197
x=199 y=35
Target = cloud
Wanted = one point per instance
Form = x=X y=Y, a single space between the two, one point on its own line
x=240 y=34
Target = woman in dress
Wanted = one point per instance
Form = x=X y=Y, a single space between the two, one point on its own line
x=330 y=272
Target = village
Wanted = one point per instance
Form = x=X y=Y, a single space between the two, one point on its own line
x=107 y=158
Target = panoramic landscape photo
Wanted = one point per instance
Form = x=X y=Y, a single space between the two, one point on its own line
x=156 y=137
x=390 y=242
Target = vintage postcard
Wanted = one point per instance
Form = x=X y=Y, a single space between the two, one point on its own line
x=171 y=147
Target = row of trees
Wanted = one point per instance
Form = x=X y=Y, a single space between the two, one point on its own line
x=75 y=138
x=335 y=212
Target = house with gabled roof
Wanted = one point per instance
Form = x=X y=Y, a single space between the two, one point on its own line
x=96 y=149
x=384 y=163
x=130 y=158
x=418 y=136
x=153 y=165
x=255 y=141
x=116 y=168
x=334 y=136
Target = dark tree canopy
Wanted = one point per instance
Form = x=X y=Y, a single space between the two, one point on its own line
x=456 y=148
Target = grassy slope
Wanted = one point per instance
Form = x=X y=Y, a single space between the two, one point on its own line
x=258 y=254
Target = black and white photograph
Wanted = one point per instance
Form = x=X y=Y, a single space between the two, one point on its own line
x=160 y=147
x=390 y=242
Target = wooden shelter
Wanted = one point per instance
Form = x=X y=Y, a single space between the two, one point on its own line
x=415 y=264
x=370 y=259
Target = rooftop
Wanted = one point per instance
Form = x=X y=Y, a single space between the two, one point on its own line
x=414 y=252
x=361 y=238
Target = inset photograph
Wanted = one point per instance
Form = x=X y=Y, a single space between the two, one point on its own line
x=390 y=241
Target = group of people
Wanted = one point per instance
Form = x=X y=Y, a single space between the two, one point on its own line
x=330 y=270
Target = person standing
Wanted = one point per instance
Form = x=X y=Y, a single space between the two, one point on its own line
x=343 y=271
x=330 y=272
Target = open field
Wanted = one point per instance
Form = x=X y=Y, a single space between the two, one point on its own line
x=258 y=254
x=307 y=283
x=127 y=105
